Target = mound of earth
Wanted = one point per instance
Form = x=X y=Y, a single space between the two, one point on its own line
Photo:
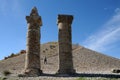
x=85 y=60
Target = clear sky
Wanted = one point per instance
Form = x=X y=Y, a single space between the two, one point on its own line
x=96 y=23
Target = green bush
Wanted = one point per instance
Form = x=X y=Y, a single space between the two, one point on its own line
x=3 y=78
x=116 y=70
x=52 y=46
x=6 y=73
x=5 y=58
x=43 y=51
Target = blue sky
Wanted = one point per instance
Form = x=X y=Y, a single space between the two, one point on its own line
x=96 y=23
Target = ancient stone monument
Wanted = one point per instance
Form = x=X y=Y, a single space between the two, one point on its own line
x=65 y=44
x=32 y=61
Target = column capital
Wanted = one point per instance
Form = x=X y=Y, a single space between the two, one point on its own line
x=65 y=19
x=34 y=17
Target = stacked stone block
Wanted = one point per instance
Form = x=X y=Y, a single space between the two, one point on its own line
x=32 y=62
x=65 y=44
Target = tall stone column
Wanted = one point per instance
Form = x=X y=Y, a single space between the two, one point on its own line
x=32 y=61
x=65 y=44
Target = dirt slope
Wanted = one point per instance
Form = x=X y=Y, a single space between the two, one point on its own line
x=85 y=60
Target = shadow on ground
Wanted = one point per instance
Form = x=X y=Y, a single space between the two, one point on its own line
x=83 y=75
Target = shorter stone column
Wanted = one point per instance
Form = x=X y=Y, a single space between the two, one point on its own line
x=65 y=44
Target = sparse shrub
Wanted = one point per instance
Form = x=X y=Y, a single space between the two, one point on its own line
x=22 y=51
x=21 y=75
x=116 y=70
x=46 y=49
x=12 y=55
x=6 y=73
x=52 y=46
x=4 y=78
x=5 y=58
x=43 y=51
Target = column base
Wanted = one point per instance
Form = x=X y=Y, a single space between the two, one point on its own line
x=32 y=72
x=66 y=72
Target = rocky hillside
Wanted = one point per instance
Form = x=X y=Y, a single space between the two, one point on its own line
x=85 y=60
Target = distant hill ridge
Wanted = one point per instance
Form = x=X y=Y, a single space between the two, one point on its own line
x=85 y=60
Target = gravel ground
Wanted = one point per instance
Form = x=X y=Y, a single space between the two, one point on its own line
x=59 y=78
x=42 y=78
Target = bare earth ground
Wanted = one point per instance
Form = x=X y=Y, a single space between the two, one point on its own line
x=58 y=78
x=85 y=61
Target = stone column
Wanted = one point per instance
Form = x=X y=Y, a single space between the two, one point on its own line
x=32 y=61
x=65 y=44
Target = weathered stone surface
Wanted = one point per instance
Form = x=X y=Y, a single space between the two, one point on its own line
x=32 y=62
x=65 y=44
